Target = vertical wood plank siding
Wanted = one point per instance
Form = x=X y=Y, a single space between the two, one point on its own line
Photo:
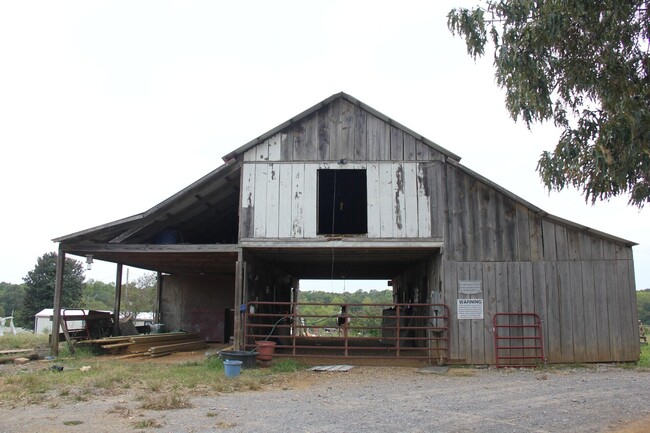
x=580 y=284
x=280 y=199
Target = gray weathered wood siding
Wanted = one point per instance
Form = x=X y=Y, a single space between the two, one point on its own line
x=341 y=130
x=580 y=284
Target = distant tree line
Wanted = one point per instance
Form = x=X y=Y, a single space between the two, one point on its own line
x=325 y=316
x=24 y=301
x=643 y=305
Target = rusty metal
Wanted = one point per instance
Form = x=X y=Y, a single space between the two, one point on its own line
x=518 y=340
x=364 y=331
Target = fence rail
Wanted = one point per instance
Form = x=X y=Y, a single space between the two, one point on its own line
x=405 y=331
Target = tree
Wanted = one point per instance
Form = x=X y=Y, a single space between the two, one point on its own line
x=11 y=298
x=585 y=65
x=98 y=296
x=39 y=287
x=139 y=296
x=643 y=305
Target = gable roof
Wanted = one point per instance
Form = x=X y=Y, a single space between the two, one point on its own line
x=235 y=154
x=216 y=195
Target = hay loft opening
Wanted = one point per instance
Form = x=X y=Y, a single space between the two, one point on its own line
x=342 y=202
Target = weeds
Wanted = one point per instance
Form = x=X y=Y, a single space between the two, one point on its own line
x=72 y=422
x=147 y=423
x=287 y=365
x=24 y=340
x=644 y=359
x=165 y=402
x=461 y=372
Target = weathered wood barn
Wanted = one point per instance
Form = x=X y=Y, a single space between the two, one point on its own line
x=343 y=191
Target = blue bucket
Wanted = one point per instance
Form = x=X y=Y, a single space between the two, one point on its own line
x=232 y=368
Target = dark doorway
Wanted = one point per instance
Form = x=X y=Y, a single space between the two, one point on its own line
x=342 y=202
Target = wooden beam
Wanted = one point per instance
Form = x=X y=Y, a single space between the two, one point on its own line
x=58 y=293
x=238 y=300
x=83 y=249
x=118 y=295
x=343 y=243
x=156 y=316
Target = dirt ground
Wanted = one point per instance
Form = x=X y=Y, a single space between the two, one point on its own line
x=602 y=398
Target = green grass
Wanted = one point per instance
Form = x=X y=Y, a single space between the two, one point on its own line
x=644 y=360
x=103 y=376
x=24 y=340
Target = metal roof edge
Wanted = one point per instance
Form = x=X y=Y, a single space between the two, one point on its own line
x=126 y=220
x=392 y=122
x=188 y=188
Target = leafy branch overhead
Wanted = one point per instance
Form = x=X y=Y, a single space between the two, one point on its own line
x=585 y=65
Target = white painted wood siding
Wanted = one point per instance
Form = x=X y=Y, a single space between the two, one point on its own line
x=282 y=198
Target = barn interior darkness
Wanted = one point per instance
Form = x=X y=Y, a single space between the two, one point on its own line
x=342 y=202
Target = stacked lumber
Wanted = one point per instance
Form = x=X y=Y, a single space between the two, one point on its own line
x=154 y=345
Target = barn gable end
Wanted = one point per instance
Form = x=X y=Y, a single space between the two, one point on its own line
x=343 y=191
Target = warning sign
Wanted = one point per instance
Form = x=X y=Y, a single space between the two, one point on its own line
x=470 y=309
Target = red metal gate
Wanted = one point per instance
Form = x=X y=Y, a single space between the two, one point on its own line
x=518 y=340
x=388 y=331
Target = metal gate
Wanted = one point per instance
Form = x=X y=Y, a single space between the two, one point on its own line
x=388 y=331
x=518 y=340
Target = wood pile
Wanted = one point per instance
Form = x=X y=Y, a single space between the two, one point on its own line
x=11 y=355
x=154 y=345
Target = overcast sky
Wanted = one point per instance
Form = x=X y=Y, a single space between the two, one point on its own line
x=108 y=108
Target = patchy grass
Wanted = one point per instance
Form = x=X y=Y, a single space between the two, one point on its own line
x=147 y=423
x=461 y=372
x=24 y=340
x=287 y=365
x=85 y=377
x=165 y=402
x=644 y=359
x=72 y=422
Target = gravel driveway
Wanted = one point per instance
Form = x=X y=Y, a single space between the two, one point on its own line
x=381 y=399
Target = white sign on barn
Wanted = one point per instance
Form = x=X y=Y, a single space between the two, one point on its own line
x=470 y=309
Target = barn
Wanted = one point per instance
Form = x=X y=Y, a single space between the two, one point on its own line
x=341 y=191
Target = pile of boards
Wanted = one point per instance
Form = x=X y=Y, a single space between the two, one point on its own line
x=153 y=345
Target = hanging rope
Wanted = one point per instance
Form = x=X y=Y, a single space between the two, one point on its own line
x=333 y=225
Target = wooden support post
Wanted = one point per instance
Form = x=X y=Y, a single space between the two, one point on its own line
x=58 y=293
x=156 y=316
x=238 y=302
x=118 y=295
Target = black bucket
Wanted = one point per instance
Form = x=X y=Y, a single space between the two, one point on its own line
x=247 y=358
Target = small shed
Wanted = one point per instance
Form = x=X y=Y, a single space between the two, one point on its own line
x=343 y=191
x=43 y=320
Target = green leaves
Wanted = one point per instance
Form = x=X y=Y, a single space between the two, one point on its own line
x=585 y=66
x=39 y=286
x=470 y=24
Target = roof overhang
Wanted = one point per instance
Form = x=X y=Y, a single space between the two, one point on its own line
x=169 y=259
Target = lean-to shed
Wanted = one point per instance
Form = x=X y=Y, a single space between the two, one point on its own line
x=343 y=191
